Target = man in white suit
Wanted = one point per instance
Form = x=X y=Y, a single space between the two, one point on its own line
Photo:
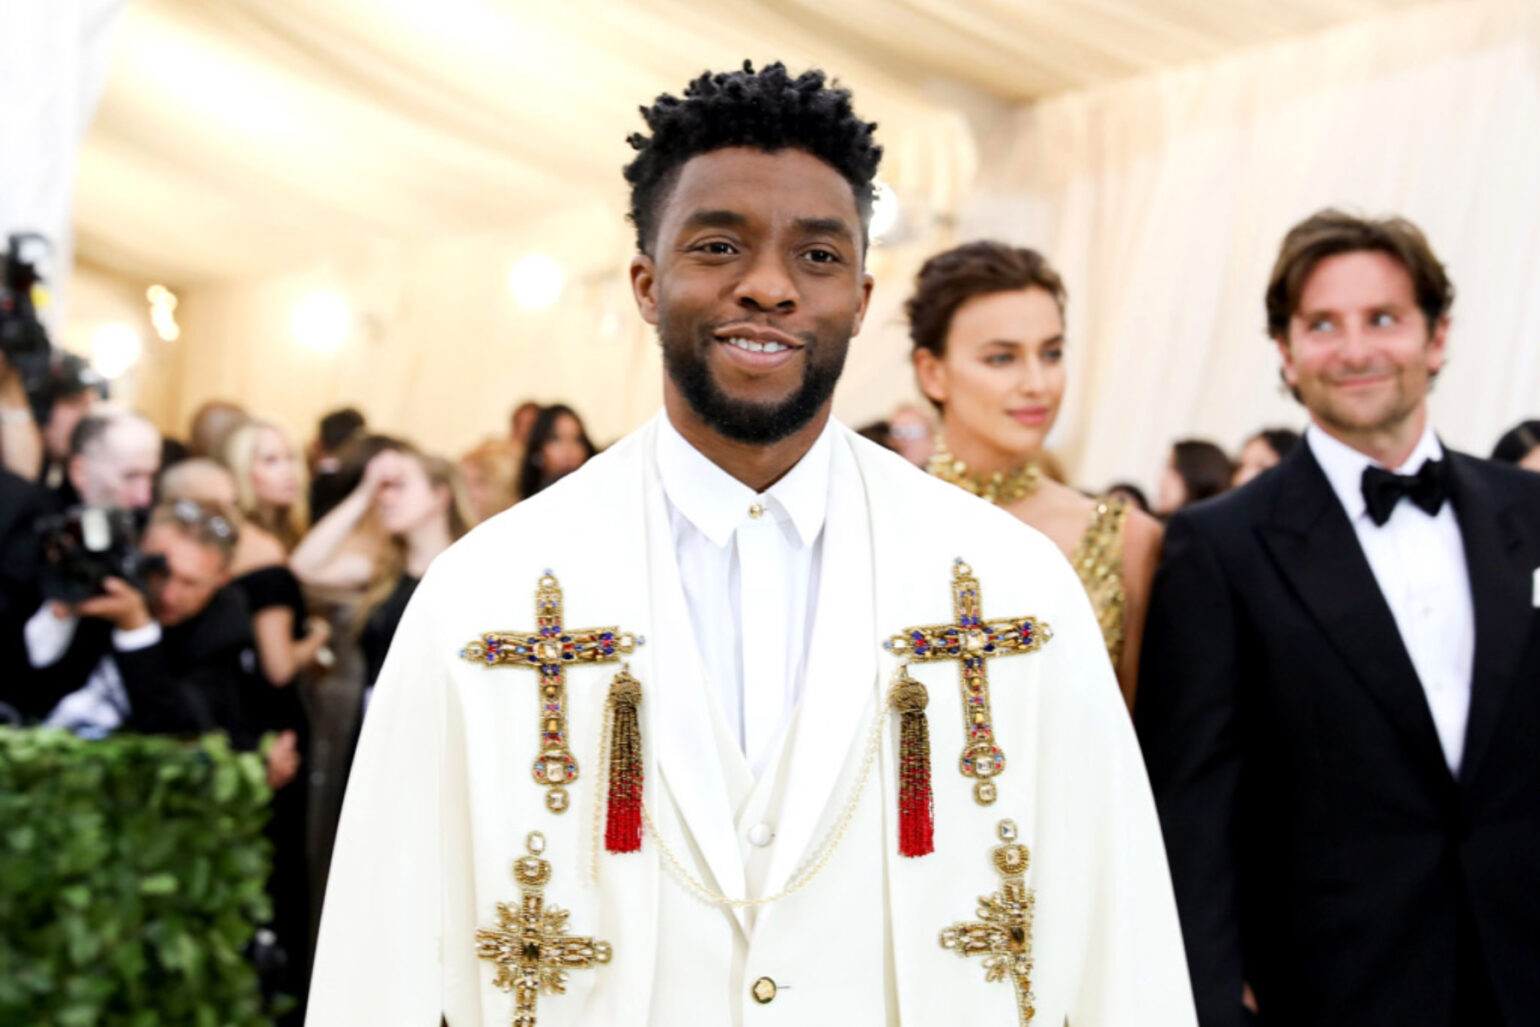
x=743 y=820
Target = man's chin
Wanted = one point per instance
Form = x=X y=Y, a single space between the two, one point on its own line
x=1362 y=420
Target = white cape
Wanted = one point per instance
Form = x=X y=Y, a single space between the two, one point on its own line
x=441 y=796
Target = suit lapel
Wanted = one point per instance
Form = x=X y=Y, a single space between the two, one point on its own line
x=1318 y=554
x=1499 y=563
x=686 y=752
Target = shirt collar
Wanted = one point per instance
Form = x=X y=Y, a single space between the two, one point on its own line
x=1344 y=465
x=716 y=502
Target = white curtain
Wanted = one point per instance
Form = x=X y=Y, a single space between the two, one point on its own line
x=53 y=61
x=1163 y=200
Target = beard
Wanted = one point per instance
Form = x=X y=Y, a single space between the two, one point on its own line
x=760 y=424
x=1405 y=395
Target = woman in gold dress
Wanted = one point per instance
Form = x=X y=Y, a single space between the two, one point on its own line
x=987 y=322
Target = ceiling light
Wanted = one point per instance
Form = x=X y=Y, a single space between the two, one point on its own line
x=115 y=348
x=321 y=322
x=884 y=210
x=536 y=281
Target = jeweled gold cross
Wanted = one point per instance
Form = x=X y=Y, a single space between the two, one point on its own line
x=973 y=641
x=1003 y=932
x=529 y=945
x=549 y=649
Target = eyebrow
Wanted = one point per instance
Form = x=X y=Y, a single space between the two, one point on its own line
x=826 y=226
x=1019 y=343
x=715 y=219
x=1390 y=307
x=733 y=219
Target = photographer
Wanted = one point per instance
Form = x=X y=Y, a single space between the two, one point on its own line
x=113 y=458
x=175 y=660
x=111 y=464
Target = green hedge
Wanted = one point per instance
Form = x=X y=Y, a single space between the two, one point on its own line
x=131 y=879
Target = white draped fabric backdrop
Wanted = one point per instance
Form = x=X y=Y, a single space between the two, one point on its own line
x=53 y=61
x=1162 y=199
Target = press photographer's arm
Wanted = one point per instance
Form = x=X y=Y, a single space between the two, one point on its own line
x=21 y=444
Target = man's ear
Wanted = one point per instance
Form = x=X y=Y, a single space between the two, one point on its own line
x=866 y=299
x=644 y=287
x=1286 y=370
x=1437 y=354
x=930 y=372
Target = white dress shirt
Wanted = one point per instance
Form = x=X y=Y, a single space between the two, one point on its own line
x=1419 y=563
x=749 y=563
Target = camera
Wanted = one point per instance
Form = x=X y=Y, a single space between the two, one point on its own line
x=86 y=545
x=23 y=339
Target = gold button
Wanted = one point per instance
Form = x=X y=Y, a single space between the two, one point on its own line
x=757 y=511
x=763 y=990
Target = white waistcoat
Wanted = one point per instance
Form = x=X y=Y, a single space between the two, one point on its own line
x=442 y=797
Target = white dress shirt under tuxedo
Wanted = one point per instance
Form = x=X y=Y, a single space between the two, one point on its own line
x=749 y=563
x=1419 y=563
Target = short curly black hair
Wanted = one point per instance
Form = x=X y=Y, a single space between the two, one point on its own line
x=765 y=109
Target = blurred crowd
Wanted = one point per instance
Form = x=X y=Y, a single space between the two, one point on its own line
x=232 y=580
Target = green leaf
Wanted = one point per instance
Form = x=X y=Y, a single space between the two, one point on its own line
x=21 y=838
x=227 y=783
x=78 y=1016
x=132 y=876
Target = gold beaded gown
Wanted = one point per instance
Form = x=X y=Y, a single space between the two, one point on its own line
x=1098 y=560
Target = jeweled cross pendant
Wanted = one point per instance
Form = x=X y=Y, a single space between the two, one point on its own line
x=529 y=945
x=550 y=649
x=973 y=642
x=1003 y=932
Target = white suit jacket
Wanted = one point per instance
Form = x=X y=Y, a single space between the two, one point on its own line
x=441 y=796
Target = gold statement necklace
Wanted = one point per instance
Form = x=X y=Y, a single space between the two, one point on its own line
x=1002 y=487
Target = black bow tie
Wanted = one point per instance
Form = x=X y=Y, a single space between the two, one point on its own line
x=1383 y=489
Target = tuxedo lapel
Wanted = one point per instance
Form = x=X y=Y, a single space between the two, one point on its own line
x=1500 y=565
x=1317 y=552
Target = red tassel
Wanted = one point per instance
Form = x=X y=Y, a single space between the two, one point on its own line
x=623 y=822
x=916 y=803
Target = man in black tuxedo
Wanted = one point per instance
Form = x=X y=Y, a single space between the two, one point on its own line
x=1340 y=689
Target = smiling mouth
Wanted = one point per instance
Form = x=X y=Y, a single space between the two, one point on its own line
x=755 y=346
x=1359 y=381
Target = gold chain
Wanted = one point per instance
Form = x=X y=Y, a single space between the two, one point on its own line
x=1002 y=487
x=602 y=795
x=805 y=874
